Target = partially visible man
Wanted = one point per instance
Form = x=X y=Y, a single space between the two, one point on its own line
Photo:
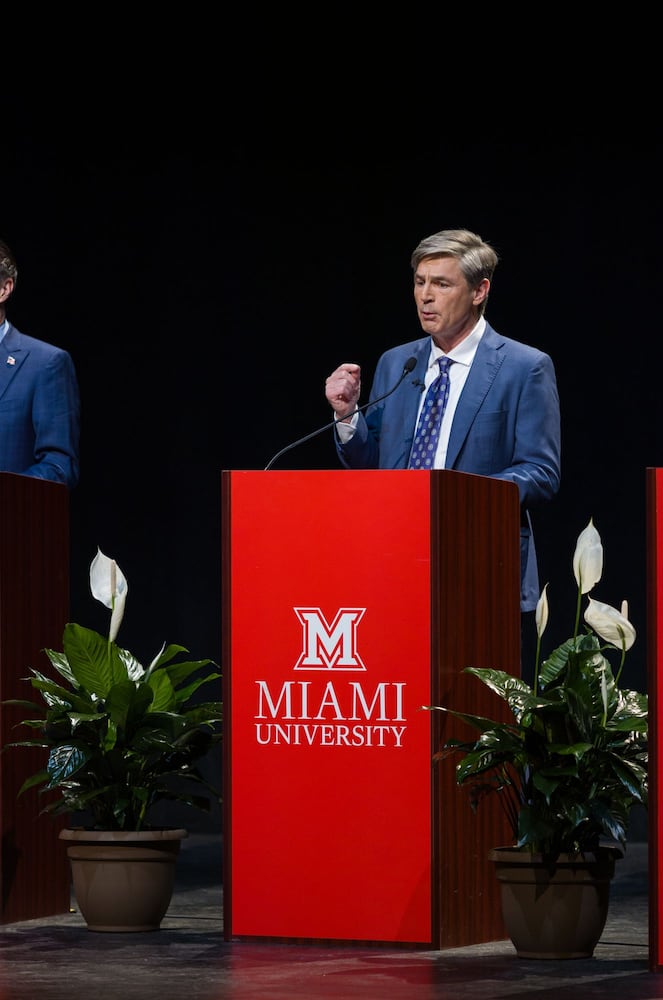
x=500 y=412
x=39 y=398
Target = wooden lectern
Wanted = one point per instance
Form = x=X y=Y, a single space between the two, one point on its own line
x=351 y=599
x=654 y=493
x=34 y=607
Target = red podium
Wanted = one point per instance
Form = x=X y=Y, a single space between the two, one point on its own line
x=350 y=600
x=34 y=607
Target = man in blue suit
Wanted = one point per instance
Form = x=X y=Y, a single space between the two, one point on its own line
x=39 y=398
x=502 y=415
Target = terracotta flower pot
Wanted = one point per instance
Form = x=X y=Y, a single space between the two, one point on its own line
x=554 y=909
x=123 y=881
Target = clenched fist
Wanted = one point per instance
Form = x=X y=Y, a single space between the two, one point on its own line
x=342 y=389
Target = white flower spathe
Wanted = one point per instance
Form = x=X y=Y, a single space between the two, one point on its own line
x=541 y=613
x=613 y=626
x=588 y=558
x=108 y=585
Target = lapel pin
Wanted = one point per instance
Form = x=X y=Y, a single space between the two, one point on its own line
x=11 y=360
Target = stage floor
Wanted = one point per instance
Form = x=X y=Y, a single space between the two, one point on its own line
x=58 y=958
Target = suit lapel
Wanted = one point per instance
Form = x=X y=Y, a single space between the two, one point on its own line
x=487 y=362
x=12 y=357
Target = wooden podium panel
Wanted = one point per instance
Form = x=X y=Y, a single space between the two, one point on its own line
x=351 y=599
x=654 y=492
x=34 y=607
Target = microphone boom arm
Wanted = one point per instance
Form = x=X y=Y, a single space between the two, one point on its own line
x=407 y=368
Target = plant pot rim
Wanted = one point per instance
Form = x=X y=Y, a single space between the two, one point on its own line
x=104 y=836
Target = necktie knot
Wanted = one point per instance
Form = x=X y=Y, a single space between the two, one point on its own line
x=426 y=438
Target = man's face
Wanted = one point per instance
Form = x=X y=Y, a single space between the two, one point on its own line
x=447 y=308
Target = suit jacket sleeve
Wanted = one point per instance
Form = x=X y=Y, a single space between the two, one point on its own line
x=56 y=422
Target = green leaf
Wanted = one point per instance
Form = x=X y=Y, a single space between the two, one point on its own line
x=65 y=761
x=94 y=662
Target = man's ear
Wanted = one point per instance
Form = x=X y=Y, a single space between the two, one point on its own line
x=6 y=288
x=481 y=291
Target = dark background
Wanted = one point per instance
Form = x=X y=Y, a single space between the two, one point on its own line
x=206 y=283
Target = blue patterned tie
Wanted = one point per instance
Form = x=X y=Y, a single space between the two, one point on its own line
x=425 y=441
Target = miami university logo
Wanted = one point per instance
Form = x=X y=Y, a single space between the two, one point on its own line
x=329 y=647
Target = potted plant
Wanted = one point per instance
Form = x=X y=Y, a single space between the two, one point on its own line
x=120 y=738
x=568 y=760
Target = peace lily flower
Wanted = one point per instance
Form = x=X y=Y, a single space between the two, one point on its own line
x=108 y=585
x=613 y=627
x=570 y=759
x=609 y=624
x=541 y=613
x=120 y=737
x=588 y=558
x=540 y=620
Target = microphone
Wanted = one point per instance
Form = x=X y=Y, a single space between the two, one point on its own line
x=409 y=366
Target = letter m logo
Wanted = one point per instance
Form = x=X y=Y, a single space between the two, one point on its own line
x=329 y=647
